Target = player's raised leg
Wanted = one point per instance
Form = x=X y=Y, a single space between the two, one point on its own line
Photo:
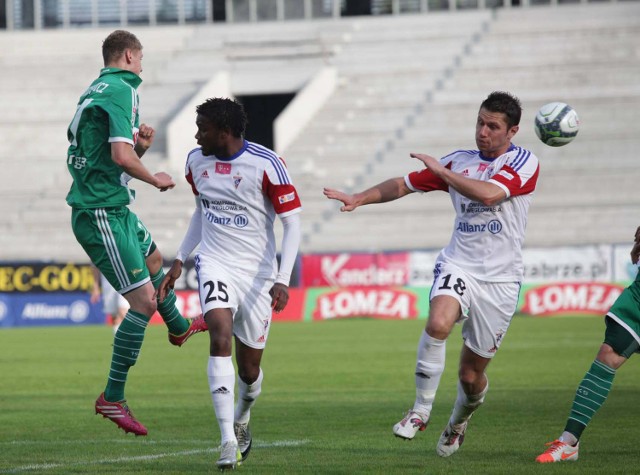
x=180 y=328
x=592 y=392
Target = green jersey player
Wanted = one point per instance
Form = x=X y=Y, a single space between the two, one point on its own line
x=106 y=143
x=621 y=340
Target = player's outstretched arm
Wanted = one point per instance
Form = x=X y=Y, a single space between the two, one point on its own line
x=388 y=190
x=169 y=280
x=348 y=201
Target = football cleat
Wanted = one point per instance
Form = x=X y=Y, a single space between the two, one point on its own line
x=243 y=434
x=230 y=456
x=119 y=413
x=451 y=439
x=408 y=427
x=196 y=325
x=558 y=451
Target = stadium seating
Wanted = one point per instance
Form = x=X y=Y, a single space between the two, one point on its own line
x=405 y=83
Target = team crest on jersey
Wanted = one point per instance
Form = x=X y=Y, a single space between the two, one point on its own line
x=236 y=181
x=223 y=168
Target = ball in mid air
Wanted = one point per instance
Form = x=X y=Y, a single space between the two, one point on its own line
x=557 y=124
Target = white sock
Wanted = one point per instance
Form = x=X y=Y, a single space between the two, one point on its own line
x=221 y=375
x=466 y=404
x=568 y=438
x=429 y=368
x=247 y=395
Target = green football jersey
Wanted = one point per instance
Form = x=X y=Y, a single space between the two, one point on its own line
x=107 y=112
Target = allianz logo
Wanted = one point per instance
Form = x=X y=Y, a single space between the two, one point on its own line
x=494 y=227
x=239 y=220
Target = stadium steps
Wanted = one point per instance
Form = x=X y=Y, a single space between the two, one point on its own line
x=405 y=83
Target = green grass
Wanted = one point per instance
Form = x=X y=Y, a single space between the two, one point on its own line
x=332 y=392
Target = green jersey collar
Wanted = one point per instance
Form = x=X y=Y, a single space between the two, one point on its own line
x=133 y=79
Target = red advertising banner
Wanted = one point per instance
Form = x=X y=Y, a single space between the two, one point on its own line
x=376 y=302
x=188 y=303
x=568 y=299
x=348 y=270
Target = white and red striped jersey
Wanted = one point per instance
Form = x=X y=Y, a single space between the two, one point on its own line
x=487 y=240
x=240 y=198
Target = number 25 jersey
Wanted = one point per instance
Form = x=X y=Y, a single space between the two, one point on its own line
x=240 y=198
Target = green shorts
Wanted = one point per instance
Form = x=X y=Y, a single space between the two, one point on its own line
x=117 y=243
x=623 y=321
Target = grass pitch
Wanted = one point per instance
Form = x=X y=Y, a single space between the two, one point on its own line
x=331 y=395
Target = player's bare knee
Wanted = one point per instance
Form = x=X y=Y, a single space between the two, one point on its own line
x=438 y=328
x=220 y=345
x=145 y=307
x=610 y=357
x=249 y=373
x=154 y=261
x=472 y=381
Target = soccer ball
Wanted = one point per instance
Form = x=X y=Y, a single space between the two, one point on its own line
x=557 y=124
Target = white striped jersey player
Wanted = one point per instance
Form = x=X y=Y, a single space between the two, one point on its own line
x=239 y=198
x=487 y=240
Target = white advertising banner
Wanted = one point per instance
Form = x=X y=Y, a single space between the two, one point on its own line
x=597 y=263
x=568 y=264
x=623 y=269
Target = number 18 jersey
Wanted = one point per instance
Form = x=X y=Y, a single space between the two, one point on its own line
x=487 y=240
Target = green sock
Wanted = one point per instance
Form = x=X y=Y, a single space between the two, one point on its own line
x=590 y=396
x=126 y=348
x=174 y=321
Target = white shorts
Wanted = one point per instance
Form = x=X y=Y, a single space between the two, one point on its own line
x=486 y=307
x=247 y=297
x=112 y=301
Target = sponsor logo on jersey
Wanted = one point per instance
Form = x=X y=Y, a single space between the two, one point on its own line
x=236 y=181
x=506 y=174
x=494 y=227
x=239 y=220
x=135 y=272
x=474 y=207
x=482 y=167
x=223 y=168
x=205 y=174
x=286 y=198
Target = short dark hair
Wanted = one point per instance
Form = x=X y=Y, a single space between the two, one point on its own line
x=506 y=103
x=224 y=113
x=116 y=43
